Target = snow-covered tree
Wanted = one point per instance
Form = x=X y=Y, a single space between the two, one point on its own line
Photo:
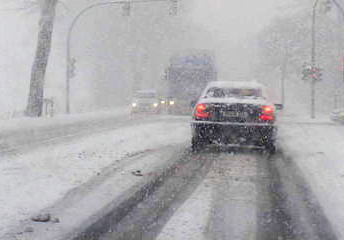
x=46 y=26
x=284 y=47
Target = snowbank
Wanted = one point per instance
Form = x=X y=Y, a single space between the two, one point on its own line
x=317 y=149
x=23 y=131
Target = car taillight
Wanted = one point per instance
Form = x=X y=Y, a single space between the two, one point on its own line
x=201 y=111
x=267 y=113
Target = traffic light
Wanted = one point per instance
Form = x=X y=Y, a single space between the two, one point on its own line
x=306 y=72
x=174 y=7
x=316 y=74
x=126 y=9
x=309 y=73
x=72 y=68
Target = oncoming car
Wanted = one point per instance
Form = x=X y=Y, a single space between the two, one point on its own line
x=166 y=103
x=234 y=114
x=170 y=105
x=145 y=101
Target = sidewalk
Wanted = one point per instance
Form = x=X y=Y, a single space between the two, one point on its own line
x=24 y=122
x=317 y=148
x=24 y=131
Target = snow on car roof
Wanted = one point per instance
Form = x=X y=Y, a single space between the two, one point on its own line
x=256 y=101
x=147 y=91
x=234 y=84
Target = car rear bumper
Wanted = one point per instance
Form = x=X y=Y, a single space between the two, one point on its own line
x=211 y=123
x=257 y=134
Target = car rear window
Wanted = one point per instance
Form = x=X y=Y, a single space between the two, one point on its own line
x=233 y=92
x=145 y=95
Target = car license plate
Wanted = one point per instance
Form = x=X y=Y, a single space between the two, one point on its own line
x=232 y=114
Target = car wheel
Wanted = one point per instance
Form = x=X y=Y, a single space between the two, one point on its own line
x=197 y=144
x=271 y=147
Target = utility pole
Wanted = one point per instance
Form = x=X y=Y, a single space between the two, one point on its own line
x=313 y=60
x=341 y=10
x=340 y=19
x=284 y=73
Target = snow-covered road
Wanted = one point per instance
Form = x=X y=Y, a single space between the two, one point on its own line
x=213 y=194
x=317 y=150
x=223 y=206
x=33 y=180
x=249 y=195
x=219 y=194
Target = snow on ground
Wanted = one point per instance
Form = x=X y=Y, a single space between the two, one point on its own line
x=223 y=206
x=190 y=220
x=26 y=122
x=318 y=150
x=32 y=181
x=286 y=118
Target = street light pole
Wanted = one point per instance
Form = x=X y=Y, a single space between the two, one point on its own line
x=284 y=73
x=70 y=30
x=342 y=12
x=68 y=55
x=339 y=7
x=313 y=60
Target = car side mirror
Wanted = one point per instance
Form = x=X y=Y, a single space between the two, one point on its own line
x=278 y=106
x=193 y=103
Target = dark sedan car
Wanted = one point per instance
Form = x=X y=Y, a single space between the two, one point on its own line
x=234 y=114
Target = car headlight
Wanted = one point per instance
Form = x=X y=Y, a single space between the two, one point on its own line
x=172 y=102
x=134 y=104
x=162 y=101
x=155 y=104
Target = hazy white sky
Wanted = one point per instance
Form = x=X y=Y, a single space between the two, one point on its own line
x=228 y=17
x=231 y=22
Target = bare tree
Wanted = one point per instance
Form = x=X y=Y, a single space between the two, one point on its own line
x=46 y=26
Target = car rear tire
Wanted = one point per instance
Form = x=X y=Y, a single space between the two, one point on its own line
x=197 y=144
x=271 y=148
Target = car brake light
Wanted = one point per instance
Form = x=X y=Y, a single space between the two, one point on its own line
x=267 y=110
x=200 y=111
x=267 y=113
x=266 y=117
